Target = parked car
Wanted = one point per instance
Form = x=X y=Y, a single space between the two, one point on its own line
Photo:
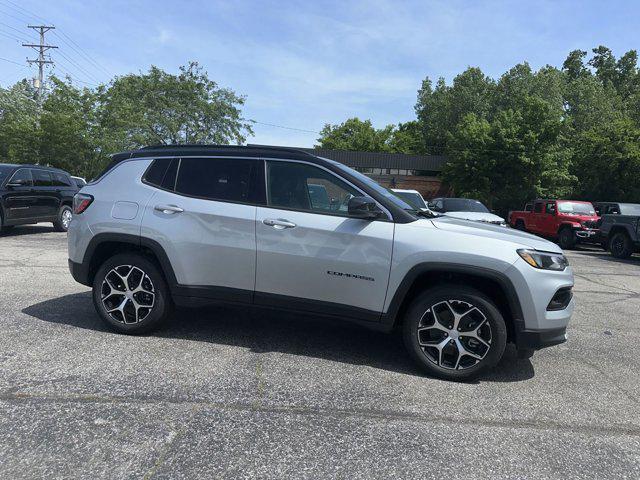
x=32 y=194
x=620 y=228
x=566 y=221
x=466 y=209
x=197 y=225
x=412 y=197
x=79 y=181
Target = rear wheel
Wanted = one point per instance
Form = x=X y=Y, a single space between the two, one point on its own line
x=64 y=219
x=454 y=332
x=130 y=294
x=567 y=238
x=620 y=245
x=520 y=226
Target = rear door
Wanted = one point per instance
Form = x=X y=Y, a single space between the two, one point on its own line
x=48 y=200
x=310 y=253
x=203 y=215
x=19 y=200
x=535 y=217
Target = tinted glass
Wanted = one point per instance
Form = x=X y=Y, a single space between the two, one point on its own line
x=157 y=169
x=60 y=180
x=22 y=176
x=538 y=207
x=305 y=187
x=41 y=178
x=79 y=182
x=464 y=205
x=550 y=208
x=217 y=178
x=5 y=172
x=169 y=180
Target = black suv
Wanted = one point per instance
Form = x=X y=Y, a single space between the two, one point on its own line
x=619 y=227
x=32 y=194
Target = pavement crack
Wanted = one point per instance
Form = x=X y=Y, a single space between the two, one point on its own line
x=366 y=413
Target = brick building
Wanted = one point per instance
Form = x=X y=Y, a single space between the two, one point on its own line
x=395 y=170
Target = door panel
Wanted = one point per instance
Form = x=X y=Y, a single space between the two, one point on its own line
x=20 y=202
x=48 y=199
x=324 y=257
x=209 y=243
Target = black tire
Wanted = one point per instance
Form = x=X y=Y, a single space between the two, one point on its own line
x=620 y=245
x=61 y=224
x=567 y=238
x=130 y=320
x=520 y=226
x=461 y=297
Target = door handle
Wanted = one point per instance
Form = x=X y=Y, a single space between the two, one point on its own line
x=278 y=224
x=168 y=209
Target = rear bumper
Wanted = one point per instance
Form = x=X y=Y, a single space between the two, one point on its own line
x=79 y=272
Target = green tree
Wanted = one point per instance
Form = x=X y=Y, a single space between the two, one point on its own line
x=19 y=128
x=161 y=108
x=355 y=134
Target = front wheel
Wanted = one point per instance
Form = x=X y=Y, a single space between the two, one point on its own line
x=130 y=294
x=64 y=219
x=567 y=238
x=620 y=245
x=454 y=332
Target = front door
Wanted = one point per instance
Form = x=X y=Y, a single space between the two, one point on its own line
x=20 y=201
x=311 y=255
x=205 y=222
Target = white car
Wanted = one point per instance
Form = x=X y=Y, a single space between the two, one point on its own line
x=412 y=197
x=465 y=209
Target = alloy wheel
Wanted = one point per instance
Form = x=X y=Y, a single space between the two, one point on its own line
x=127 y=294
x=454 y=334
x=66 y=218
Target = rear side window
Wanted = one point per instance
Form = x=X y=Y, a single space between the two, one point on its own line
x=61 y=180
x=162 y=173
x=538 y=207
x=41 y=178
x=225 y=179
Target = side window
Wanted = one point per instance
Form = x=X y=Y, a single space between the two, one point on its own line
x=550 y=208
x=23 y=177
x=60 y=180
x=613 y=210
x=304 y=187
x=527 y=207
x=156 y=171
x=41 y=178
x=537 y=207
x=232 y=179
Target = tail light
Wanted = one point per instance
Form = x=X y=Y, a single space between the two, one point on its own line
x=81 y=202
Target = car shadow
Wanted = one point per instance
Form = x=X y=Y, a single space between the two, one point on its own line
x=633 y=260
x=20 y=230
x=271 y=331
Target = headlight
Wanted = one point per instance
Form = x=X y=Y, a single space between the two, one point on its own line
x=544 y=260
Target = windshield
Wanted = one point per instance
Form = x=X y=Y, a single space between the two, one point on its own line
x=630 y=209
x=576 y=208
x=412 y=198
x=5 y=171
x=464 y=205
x=391 y=196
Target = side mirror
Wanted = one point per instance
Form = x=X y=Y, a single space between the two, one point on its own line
x=365 y=208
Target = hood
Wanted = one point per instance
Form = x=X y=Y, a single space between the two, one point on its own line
x=578 y=217
x=487 y=230
x=477 y=216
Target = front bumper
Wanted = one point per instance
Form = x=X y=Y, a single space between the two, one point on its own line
x=536 y=339
x=588 y=235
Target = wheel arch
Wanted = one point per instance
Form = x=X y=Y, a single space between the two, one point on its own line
x=496 y=285
x=626 y=229
x=105 y=245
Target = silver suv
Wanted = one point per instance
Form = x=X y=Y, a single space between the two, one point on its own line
x=275 y=227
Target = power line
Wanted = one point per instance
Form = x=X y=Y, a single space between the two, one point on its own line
x=11 y=61
x=286 y=128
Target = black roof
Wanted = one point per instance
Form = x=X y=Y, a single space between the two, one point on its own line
x=32 y=165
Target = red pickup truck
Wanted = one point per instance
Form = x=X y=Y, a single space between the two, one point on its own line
x=566 y=221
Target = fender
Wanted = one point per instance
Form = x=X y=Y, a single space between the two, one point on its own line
x=390 y=317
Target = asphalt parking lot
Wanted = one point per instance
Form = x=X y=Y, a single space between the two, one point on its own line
x=226 y=393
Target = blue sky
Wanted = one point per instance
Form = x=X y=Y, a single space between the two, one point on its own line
x=304 y=64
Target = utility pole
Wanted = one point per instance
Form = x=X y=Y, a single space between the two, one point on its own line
x=42 y=60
